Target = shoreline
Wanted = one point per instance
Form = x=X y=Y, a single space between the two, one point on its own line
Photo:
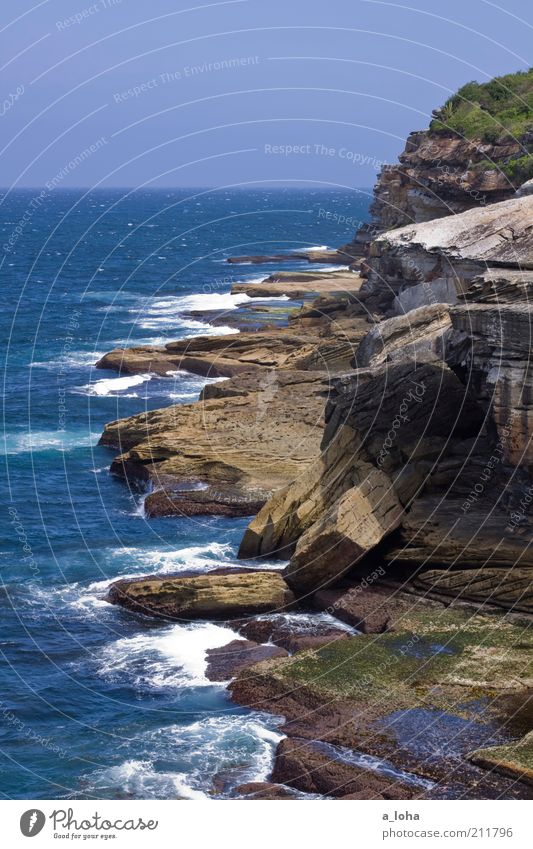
x=350 y=428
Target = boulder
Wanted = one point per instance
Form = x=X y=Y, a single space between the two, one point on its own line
x=204 y=596
x=353 y=526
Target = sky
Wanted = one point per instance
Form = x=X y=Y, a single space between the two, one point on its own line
x=183 y=93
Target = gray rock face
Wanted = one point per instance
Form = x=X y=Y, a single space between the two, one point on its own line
x=493 y=344
x=386 y=429
x=436 y=176
x=525 y=189
x=422 y=331
x=450 y=252
x=440 y=405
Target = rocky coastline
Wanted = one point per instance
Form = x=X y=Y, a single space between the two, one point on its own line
x=376 y=430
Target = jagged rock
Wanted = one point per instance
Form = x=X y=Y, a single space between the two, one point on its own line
x=225 y=662
x=309 y=767
x=509 y=588
x=279 y=524
x=204 y=596
x=405 y=337
x=449 y=252
x=355 y=524
x=393 y=420
x=437 y=176
x=242 y=444
x=500 y=286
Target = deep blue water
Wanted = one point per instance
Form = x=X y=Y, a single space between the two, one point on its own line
x=95 y=701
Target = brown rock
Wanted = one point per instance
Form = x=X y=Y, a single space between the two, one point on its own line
x=225 y=662
x=204 y=596
x=320 y=256
x=514 y=759
x=297 y=285
x=291 y=635
x=306 y=766
x=265 y=790
x=355 y=524
x=241 y=445
x=372 y=610
x=508 y=588
x=168 y=503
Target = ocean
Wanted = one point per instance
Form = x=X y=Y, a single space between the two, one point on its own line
x=97 y=702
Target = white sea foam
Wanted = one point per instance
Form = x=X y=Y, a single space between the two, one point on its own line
x=240 y=746
x=112 y=385
x=306 y=248
x=46 y=440
x=76 y=359
x=326 y=269
x=139 y=778
x=168 y=311
x=210 y=301
x=178 y=560
x=169 y=657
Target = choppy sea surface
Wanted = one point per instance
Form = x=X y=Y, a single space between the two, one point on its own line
x=96 y=701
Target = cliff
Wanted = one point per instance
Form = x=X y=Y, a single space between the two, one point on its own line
x=430 y=434
x=475 y=152
x=382 y=442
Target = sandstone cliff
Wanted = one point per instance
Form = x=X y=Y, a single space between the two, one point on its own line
x=427 y=448
x=475 y=152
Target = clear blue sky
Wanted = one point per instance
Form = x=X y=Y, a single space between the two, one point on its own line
x=188 y=93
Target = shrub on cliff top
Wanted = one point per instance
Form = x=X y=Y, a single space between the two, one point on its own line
x=498 y=109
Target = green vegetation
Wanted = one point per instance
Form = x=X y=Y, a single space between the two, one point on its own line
x=479 y=655
x=515 y=759
x=517 y=170
x=501 y=108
